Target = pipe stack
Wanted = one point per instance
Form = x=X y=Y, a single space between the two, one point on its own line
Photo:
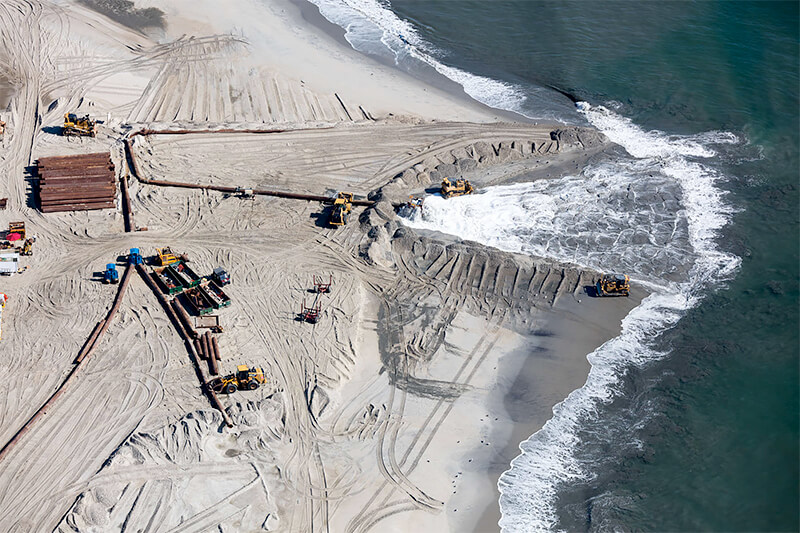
x=76 y=183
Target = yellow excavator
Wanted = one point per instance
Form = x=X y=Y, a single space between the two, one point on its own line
x=614 y=285
x=342 y=206
x=79 y=126
x=458 y=187
x=245 y=378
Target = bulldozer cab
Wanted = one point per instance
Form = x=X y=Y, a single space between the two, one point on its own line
x=614 y=285
x=75 y=125
x=165 y=256
x=458 y=187
x=342 y=206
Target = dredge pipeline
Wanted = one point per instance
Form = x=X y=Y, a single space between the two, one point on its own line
x=94 y=341
x=189 y=337
x=134 y=166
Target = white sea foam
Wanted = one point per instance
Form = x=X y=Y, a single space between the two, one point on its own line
x=368 y=22
x=656 y=215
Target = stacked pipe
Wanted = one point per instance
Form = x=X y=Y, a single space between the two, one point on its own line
x=76 y=183
x=211 y=355
x=194 y=353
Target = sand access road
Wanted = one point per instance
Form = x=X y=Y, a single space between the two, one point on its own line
x=396 y=411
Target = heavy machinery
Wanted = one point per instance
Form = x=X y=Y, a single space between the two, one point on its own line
x=110 y=275
x=458 y=187
x=79 y=126
x=134 y=257
x=221 y=276
x=27 y=246
x=165 y=256
x=414 y=202
x=245 y=378
x=342 y=206
x=614 y=285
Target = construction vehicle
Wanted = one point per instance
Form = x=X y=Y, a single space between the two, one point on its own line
x=310 y=314
x=221 y=276
x=342 y=206
x=27 y=246
x=165 y=256
x=78 y=126
x=414 y=202
x=245 y=378
x=18 y=228
x=2 y=127
x=458 y=187
x=134 y=257
x=613 y=285
x=110 y=275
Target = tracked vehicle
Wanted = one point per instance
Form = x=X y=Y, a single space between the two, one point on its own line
x=458 y=187
x=78 y=126
x=613 y=285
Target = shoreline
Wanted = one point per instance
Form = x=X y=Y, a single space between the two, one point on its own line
x=426 y=76
x=573 y=330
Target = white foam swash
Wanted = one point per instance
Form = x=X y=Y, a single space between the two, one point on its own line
x=655 y=215
x=372 y=27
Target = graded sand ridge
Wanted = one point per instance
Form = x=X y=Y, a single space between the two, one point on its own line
x=433 y=358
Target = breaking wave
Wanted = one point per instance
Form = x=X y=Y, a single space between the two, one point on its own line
x=655 y=215
x=371 y=27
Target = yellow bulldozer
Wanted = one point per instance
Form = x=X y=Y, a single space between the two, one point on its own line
x=458 y=187
x=342 y=206
x=165 y=256
x=79 y=126
x=245 y=378
x=614 y=285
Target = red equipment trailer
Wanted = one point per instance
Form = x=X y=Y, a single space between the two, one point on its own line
x=321 y=287
x=310 y=314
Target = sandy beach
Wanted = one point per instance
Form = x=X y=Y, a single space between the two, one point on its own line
x=432 y=360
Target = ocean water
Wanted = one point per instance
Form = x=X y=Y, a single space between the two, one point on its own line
x=689 y=419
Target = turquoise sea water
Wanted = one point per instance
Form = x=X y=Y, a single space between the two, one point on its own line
x=705 y=437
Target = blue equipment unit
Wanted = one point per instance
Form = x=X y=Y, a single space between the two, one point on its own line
x=135 y=258
x=111 y=275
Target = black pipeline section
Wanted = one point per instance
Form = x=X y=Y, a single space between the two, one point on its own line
x=233 y=190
